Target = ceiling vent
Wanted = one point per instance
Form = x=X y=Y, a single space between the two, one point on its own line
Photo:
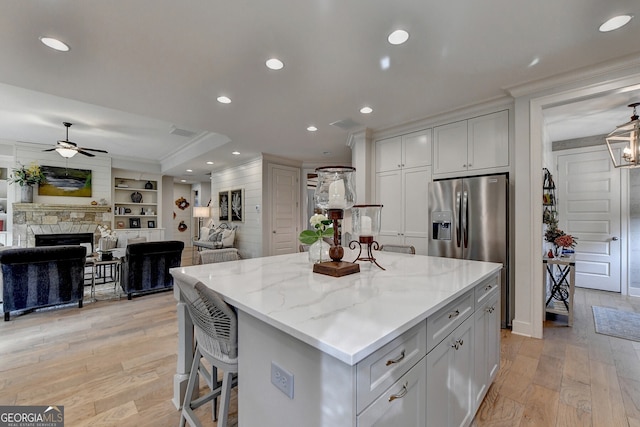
x=346 y=124
x=182 y=132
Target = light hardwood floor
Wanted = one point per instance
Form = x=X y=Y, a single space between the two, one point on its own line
x=111 y=363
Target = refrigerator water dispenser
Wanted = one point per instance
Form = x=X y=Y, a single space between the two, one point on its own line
x=441 y=225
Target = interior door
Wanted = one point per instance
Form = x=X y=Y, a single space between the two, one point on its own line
x=284 y=209
x=589 y=209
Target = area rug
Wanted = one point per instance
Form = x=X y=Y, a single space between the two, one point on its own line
x=617 y=323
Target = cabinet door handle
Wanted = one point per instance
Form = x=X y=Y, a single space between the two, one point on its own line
x=486 y=288
x=457 y=344
x=454 y=314
x=402 y=393
x=396 y=360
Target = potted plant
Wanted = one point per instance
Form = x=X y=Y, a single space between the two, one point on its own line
x=26 y=178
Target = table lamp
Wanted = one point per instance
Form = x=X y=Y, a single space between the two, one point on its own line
x=201 y=212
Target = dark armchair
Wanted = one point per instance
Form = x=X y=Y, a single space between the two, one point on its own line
x=41 y=276
x=146 y=266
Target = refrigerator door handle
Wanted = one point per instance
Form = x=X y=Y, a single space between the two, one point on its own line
x=465 y=218
x=458 y=224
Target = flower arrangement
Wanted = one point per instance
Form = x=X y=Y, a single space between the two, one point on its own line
x=323 y=228
x=107 y=233
x=565 y=241
x=27 y=175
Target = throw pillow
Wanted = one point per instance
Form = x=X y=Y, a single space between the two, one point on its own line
x=204 y=234
x=228 y=236
x=215 y=236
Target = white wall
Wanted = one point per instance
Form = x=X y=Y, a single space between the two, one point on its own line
x=248 y=177
x=100 y=167
x=182 y=215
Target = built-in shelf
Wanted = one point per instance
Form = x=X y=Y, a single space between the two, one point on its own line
x=126 y=210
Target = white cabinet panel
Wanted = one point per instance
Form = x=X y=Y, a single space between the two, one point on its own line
x=389 y=154
x=402 y=404
x=450 y=381
x=388 y=194
x=488 y=138
x=473 y=145
x=416 y=149
x=450 y=147
x=487 y=344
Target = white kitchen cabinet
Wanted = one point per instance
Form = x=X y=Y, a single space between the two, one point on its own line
x=404 y=196
x=474 y=145
x=402 y=404
x=404 y=151
x=487 y=338
x=450 y=367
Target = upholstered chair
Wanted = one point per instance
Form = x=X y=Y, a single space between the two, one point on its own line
x=41 y=276
x=146 y=266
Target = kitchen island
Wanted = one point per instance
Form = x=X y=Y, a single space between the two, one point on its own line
x=417 y=344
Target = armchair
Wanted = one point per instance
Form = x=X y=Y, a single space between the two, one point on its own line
x=146 y=266
x=41 y=276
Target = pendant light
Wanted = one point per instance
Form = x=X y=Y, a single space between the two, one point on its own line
x=628 y=134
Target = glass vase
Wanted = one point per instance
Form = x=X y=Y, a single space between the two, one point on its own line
x=319 y=252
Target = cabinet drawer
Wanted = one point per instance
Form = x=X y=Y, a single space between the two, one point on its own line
x=445 y=320
x=486 y=290
x=384 y=367
x=402 y=404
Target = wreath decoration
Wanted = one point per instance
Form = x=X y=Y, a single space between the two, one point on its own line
x=182 y=203
x=182 y=226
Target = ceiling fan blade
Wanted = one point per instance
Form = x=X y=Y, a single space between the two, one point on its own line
x=67 y=144
x=94 y=149
x=85 y=153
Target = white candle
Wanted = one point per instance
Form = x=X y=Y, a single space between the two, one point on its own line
x=365 y=226
x=336 y=195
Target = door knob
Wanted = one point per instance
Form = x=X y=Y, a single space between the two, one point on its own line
x=614 y=238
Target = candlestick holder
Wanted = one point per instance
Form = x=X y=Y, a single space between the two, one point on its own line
x=335 y=192
x=366 y=225
x=371 y=244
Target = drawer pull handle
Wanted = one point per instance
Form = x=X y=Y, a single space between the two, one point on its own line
x=486 y=288
x=457 y=344
x=396 y=360
x=454 y=314
x=402 y=393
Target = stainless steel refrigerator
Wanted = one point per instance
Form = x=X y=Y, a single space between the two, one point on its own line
x=469 y=219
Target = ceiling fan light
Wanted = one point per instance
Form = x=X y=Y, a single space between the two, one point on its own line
x=67 y=153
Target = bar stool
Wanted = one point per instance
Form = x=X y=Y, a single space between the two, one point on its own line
x=216 y=333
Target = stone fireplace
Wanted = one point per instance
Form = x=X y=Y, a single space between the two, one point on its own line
x=31 y=219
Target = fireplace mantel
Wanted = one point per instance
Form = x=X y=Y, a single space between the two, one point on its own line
x=46 y=207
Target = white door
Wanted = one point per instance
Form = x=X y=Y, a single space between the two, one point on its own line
x=284 y=209
x=589 y=209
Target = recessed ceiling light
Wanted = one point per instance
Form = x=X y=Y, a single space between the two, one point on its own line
x=55 y=44
x=534 y=62
x=209 y=163
x=274 y=64
x=615 y=23
x=236 y=153
x=224 y=100
x=183 y=180
x=398 y=37
x=385 y=63
x=312 y=128
x=189 y=170
x=366 y=110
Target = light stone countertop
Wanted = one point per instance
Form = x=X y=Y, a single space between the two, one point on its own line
x=348 y=317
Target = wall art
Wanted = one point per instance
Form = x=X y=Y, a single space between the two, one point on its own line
x=237 y=205
x=65 y=182
x=223 y=203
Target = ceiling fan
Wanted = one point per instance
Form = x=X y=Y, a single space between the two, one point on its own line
x=68 y=149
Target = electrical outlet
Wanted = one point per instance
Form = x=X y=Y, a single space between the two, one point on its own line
x=282 y=379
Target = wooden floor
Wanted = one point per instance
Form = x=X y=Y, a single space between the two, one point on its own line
x=111 y=363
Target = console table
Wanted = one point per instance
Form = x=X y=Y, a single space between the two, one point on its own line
x=559 y=285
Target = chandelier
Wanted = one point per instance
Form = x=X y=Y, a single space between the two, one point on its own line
x=627 y=134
